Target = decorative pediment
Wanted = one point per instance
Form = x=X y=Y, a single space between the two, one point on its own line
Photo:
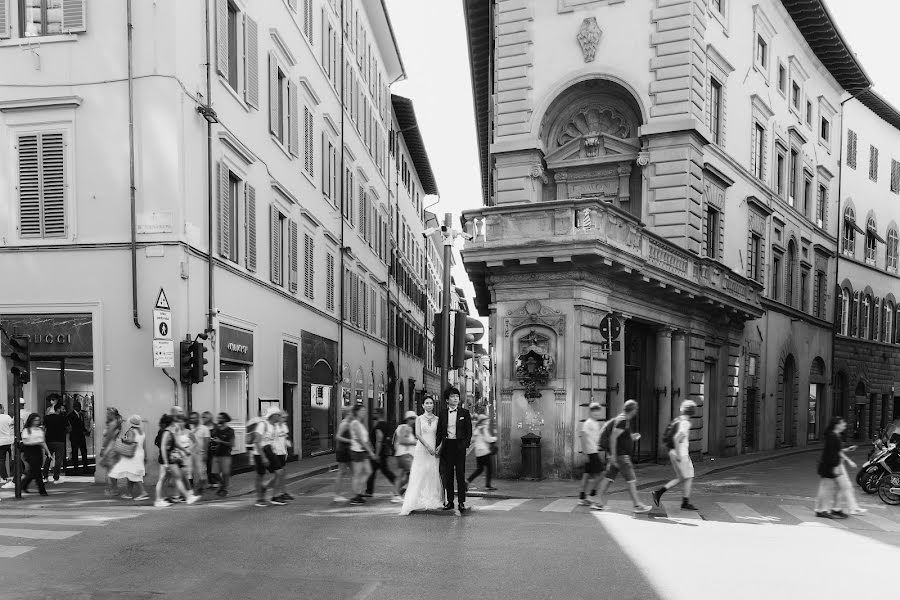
x=595 y=146
x=533 y=312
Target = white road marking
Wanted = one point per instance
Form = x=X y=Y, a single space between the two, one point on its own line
x=808 y=518
x=37 y=534
x=64 y=522
x=563 y=505
x=673 y=509
x=742 y=513
x=13 y=551
x=879 y=522
x=40 y=512
x=505 y=505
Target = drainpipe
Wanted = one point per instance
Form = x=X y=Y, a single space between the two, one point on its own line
x=343 y=251
x=134 y=298
x=210 y=304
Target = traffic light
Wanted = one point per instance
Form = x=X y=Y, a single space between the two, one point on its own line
x=438 y=335
x=459 y=341
x=186 y=360
x=198 y=362
x=20 y=355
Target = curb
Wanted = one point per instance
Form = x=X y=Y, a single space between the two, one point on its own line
x=291 y=478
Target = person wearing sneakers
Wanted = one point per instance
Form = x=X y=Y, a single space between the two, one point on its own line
x=404 y=444
x=679 y=457
x=618 y=444
x=220 y=446
x=361 y=453
x=590 y=445
x=342 y=454
x=171 y=457
x=264 y=457
x=481 y=444
x=280 y=446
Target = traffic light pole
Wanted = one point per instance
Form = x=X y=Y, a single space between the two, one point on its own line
x=17 y=426
x=445 y=304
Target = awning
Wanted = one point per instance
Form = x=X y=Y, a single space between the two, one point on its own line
x=852 y=222
x=875 y=235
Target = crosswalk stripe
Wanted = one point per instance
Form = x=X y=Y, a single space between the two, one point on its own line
x=37 y=534
x=506 y=504
x=13 y=551
x=742 y=513
x=42 y=521
x=40 y=512
x=807 y=516
x=563 y=505
x=673 y=510
x=879 y=522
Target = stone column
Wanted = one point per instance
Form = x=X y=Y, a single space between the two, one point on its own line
x=679 y=371
x=615 y=374
x=663 y=383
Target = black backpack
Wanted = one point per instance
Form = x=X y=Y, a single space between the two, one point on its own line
x=668 y=437
x=159 y=435
x=606 y=432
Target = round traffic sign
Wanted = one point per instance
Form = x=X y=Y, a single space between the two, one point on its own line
x=163 y=329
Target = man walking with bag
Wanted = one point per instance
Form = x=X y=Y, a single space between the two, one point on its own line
x=454 y=434
x=617 y=439
x=677 y=438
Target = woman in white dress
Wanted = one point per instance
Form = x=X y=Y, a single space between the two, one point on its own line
x=424 y=490
x=132 y=468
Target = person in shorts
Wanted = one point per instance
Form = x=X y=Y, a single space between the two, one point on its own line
x=590 y=445
x=264 y=459
x=404 y=444
x=221 y=443
x=621 y=440
x=381 y=439
x=680 y=459
x=280 y=446
x=360 y=453
x=342 y=454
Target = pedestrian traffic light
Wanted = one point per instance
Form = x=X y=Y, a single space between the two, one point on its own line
x=438 y=323
x=20 y=355
x=198 y=362
x=186 y=360
x=459 y=340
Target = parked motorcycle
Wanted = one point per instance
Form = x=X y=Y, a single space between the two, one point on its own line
x=881 y=463
x=889 y=489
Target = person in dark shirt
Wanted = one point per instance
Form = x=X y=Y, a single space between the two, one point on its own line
x=835 y=490
x=55 y=426
x=382 y=440
x=221 y=442
x=78 y=432
x=621 y=440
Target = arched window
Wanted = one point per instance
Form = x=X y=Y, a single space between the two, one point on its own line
x=892 y=250
x=849 y=237
x=865 y=317
x=887 y=324
x=789 y=268
x=871 y=240
x=845 y=312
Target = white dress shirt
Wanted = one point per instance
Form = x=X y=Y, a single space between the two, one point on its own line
x=452 y=416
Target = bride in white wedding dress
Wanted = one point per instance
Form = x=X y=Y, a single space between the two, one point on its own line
x=424 y=490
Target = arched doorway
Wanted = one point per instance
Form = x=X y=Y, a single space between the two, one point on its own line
x=318 y=431
x=789 y=401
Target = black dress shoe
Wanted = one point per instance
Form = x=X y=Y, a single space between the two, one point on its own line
x=448 y=506
x=462 y=507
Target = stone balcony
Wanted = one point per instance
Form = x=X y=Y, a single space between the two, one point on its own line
x=605 y=239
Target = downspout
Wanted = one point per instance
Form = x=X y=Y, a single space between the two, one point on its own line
x=343 y=252
x=210 y=304
x=131 y=178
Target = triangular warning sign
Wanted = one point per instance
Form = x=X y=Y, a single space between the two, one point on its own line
x=162 y=303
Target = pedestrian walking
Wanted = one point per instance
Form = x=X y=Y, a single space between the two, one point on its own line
x=7 y=437
x=79 y=430
x=835 y=490
x=209 y=422
x=482 y=441
x=381 y=437
x=108 y=455
x=221 y=445
x=454 y=434
x=342 y=443
x=132 y=468
x=264 y=458
x=55 y=425
x=404 y=444
x=590 y=445
x=34 y=449
x=280 y=446
x=618 y=444
x=677 y=439
x=361 y=453
x=171 y=458
x=200 y=436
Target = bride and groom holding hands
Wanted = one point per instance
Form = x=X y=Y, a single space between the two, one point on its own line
x=439 y=459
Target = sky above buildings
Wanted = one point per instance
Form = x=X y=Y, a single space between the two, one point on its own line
x=432 y=39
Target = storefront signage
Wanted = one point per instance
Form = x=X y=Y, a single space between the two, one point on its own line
x=235 y=345
x=52 y=335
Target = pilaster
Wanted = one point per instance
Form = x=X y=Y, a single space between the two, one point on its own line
x=663 y=383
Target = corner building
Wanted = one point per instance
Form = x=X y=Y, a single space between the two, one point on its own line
x=261 y=204
x=660 y=184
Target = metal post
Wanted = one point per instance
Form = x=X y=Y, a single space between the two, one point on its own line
x=445 y=304
x=17 y=426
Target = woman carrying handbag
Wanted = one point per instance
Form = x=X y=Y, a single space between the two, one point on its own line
x=131 y=464
x=485 y=446
x=108 y=454
x=34 y=449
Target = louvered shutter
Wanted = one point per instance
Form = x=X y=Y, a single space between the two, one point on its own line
x=274 y=115
x=309 y=267
x=53 y=184
x=308 y=19
x=222 y=37
x=251 y=62
x=325 y=175
x=4 y=19
x=224 y=212
x=293 y=120
x=29 y=186
x=294 y=256
x=250 y=219
x=293 y=5
x=854 y=315
x=329 y=282
x=275 y=245
x=354 y=297
x=74 y=19
x=307 y=140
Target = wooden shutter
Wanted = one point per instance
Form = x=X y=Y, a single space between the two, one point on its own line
x=222 y=37
x=224 y=211
x=855 y=307
x=250 y=219
x=309 y=267
x=29 y=186
x=274 y=115
x=308 y=20
x=308 y=140
x=293 y=120
x=275 y=245
x=354 y=298
x=74 y=19
x=4 y=19
x=329 y=282
x=251 y=62
x=325 y=175
x=294 y=256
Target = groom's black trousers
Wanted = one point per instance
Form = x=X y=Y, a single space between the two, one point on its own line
x=453 y=463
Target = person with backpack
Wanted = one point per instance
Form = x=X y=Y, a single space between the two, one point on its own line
x=617 y=439
x=221 y=444
x=342 y=454
x=590 y=445
x=381 y=434
x=677 y=438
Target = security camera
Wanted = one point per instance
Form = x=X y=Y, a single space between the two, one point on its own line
x=430 y=231
x=467 y=236
x=443 y=229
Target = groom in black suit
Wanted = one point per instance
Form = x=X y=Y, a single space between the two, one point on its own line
x=454 y=433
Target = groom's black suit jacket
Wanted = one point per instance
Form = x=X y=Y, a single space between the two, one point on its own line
x=463 y=426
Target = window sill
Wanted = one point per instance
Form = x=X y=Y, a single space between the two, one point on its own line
x=281 y=146
x=39 y=40
x=762 y=70
x=826 y=145
x=234 y=93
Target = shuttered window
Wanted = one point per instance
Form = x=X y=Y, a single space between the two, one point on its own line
x=895 y=176
x=276 y=244
x=329 y=282
x=354 y=299
x=251 y=66
x=47 y=17
x=363 y=214
x=42 y=185
x=308 y=138
x=851 y=148
x=294 y=258
x=228 y=211
x=238 y=63
x=250 y=220
x=308 y=19
x=873 y=163
x=293 y=118
x=373 y=308
x=4 y=19
x=309 y=267
x=364 y=305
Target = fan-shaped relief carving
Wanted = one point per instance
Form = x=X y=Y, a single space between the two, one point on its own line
x=592 y=121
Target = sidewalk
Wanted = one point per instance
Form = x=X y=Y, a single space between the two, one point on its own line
x=648 y=475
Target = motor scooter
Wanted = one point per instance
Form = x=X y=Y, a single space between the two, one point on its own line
x=881 y=463
x=889 y=489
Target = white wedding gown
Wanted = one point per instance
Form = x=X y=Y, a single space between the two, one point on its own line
x=424 y=490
